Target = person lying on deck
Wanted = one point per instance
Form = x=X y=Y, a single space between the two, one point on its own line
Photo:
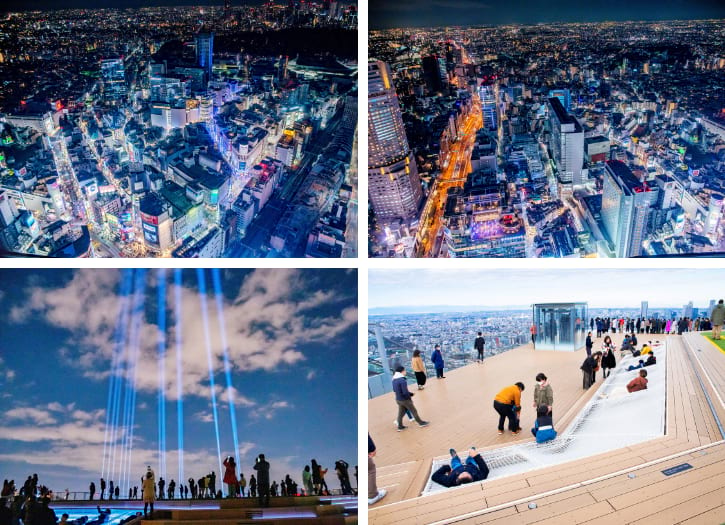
x=632 y=367
x=457 y=473
x=651 y=360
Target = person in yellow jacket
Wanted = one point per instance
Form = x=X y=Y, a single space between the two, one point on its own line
x=419 y=368
x=508 y=405
x=646 y=349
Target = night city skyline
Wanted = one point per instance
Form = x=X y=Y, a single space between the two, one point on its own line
x=187 y=131
x=578 y=139
x=439 y=13
x=48 y=5
x=290 y=335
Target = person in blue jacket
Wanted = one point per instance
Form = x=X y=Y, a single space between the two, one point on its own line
x=543 y=429
x=437 y=359
x=457 y=473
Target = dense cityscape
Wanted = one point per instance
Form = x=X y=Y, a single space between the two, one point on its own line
x=549 y=140
x=503 y=330
x=180 y=131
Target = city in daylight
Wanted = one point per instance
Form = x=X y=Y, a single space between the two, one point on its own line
x=546 y=130
x=560 y=395
x=148 y=130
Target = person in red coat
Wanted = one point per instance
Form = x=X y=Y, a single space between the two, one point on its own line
x=230 y=475
x=638 y=383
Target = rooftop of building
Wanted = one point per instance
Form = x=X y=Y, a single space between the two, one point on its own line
x=624 y=485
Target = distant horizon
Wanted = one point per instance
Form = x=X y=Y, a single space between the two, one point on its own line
x=37 y=5
x=474 y=289
x=551 y=23
x=442 y=309
x=447 y=13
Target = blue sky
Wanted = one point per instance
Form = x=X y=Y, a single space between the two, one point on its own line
x=291 y=336
x=601 y=288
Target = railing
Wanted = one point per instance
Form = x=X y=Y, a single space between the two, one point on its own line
x=75 y=496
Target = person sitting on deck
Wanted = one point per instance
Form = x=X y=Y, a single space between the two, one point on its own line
x=646 y=349
x=543 y=429
x=651 y=360
x=457 y=473
x=638 y=383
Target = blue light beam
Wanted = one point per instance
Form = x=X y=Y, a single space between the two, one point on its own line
x=118 y=341
x=179 y=385
x=161 y=321
x=207 y=339
x=216 y=277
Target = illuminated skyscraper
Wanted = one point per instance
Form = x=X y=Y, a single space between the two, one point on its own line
x=114 y=78
x=205 y=51
x=567 y=143
x=626 y=204
x=394 y=185
x=487 y=93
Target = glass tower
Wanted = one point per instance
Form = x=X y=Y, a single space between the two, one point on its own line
x=561 y=326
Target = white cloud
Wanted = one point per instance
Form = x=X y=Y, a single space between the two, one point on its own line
x=265 y=327
x=269 y=410
x=36 y=415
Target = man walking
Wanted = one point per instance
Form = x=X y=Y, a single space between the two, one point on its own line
x=374 y=494
x=404 y=398
x=717 y=319
x=479 y=344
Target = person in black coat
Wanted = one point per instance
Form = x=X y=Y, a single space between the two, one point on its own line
x=589 y=344
x=588 y=370
x=479 y=344
x=457 y=473
x=262 y=468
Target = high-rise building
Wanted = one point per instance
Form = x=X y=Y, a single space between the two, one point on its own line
x=433 y=74
x=626 y=204
x=687 y=310
x=643 y=310
x=394 y=186
x=567 y=143
x=205 y=51
x=113 y=74
x=564 y=96
x=487 y=93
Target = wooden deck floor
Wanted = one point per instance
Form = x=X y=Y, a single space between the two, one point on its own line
x=595 y=490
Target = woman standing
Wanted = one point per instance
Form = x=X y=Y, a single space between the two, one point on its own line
x=230 y=476
x=307 y=480
x=543 y=393
x=149 y=493
x=315 y=476
x=608 y=360
x=419 y=369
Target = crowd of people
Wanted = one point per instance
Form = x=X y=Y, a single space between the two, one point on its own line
x=30 y=505
x=657 y=325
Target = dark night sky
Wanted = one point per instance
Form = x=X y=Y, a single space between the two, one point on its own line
x=30 y=5
x=417 y=13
